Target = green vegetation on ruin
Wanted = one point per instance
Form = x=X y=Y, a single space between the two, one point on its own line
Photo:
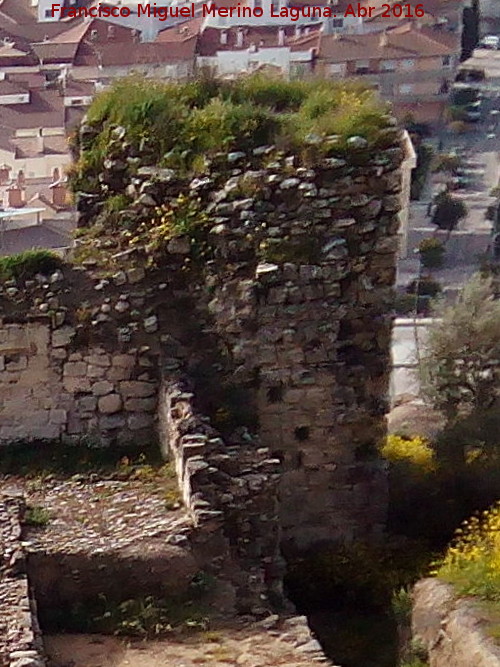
x=26 y=265
x=144 y=617
x=192 y=129
x=181 y=125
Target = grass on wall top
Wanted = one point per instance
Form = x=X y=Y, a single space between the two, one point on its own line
x=205 y=116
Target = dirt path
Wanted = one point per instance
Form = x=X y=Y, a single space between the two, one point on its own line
x=229 y=647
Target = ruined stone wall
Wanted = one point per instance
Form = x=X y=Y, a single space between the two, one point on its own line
x=50 y=390
x=307 y=322
x=20 y=639
x=231 y=492
x=287 y=301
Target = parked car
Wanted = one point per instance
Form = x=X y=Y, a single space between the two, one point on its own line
x=470 y=74
x=490 y=42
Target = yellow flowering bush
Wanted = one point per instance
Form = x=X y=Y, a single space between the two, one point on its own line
x=416 y=450
x=472 y=562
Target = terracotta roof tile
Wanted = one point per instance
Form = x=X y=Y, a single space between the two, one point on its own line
x=115 y=55
x=391 y=45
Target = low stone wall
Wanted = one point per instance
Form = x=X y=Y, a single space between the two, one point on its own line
x=20 y=640
x=50 y=390
x=452 y=630
x=231 y=491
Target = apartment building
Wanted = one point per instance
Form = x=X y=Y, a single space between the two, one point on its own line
x=410 y=65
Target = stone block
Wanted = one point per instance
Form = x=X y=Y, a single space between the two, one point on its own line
x=111 y=421
x=75 y=369
x=99 y=360
x=75 y=426
x=76 y=385
x=136 y=389
x=110 y=404
x=58 y=416
x=63 y=336
x=102 y=388
x=140 y=404
x=37 y=418
x=96 y=371
x=59 y=353
x=46 y=431
x=87 y=404
x=118 y=373
x=123 y=360
x=139 y=420
x=135 y=275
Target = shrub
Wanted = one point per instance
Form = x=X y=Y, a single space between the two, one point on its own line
x=415 y=450
x=459 y=363
x=431 y=253
x=36 y=516
x=25 y=265
x=404 y=304
x=472 y=562
x=447 y=162
x=448 y=212
x=116 y=203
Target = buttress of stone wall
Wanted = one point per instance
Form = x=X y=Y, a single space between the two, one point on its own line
x=308 y=325
x=51 y=390
x=231 y=492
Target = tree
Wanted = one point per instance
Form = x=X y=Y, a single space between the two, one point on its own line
x=470 y=30
x=460 y=361
x=448 y=212
x=431 y=253
x=446 y=162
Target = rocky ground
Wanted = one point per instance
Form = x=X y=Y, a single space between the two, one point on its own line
x=266 y=644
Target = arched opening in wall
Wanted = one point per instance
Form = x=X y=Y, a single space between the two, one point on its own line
x=301 y=433
x=56 y=174
x=275 y=394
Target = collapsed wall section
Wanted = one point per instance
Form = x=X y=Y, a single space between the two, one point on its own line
x=231 y=491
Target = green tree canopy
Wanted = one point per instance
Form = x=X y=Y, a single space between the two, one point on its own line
x=460 y=362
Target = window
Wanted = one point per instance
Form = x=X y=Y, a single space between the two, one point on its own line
x=337 y=23
x=446 y=61
x=337 y=68
x=406 y=89
x=388 y=66
x=362 y=66
x=408 y=64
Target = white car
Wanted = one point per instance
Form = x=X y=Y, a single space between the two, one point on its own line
x=490 y=42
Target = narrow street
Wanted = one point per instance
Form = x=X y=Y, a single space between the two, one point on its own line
x=479 y=149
